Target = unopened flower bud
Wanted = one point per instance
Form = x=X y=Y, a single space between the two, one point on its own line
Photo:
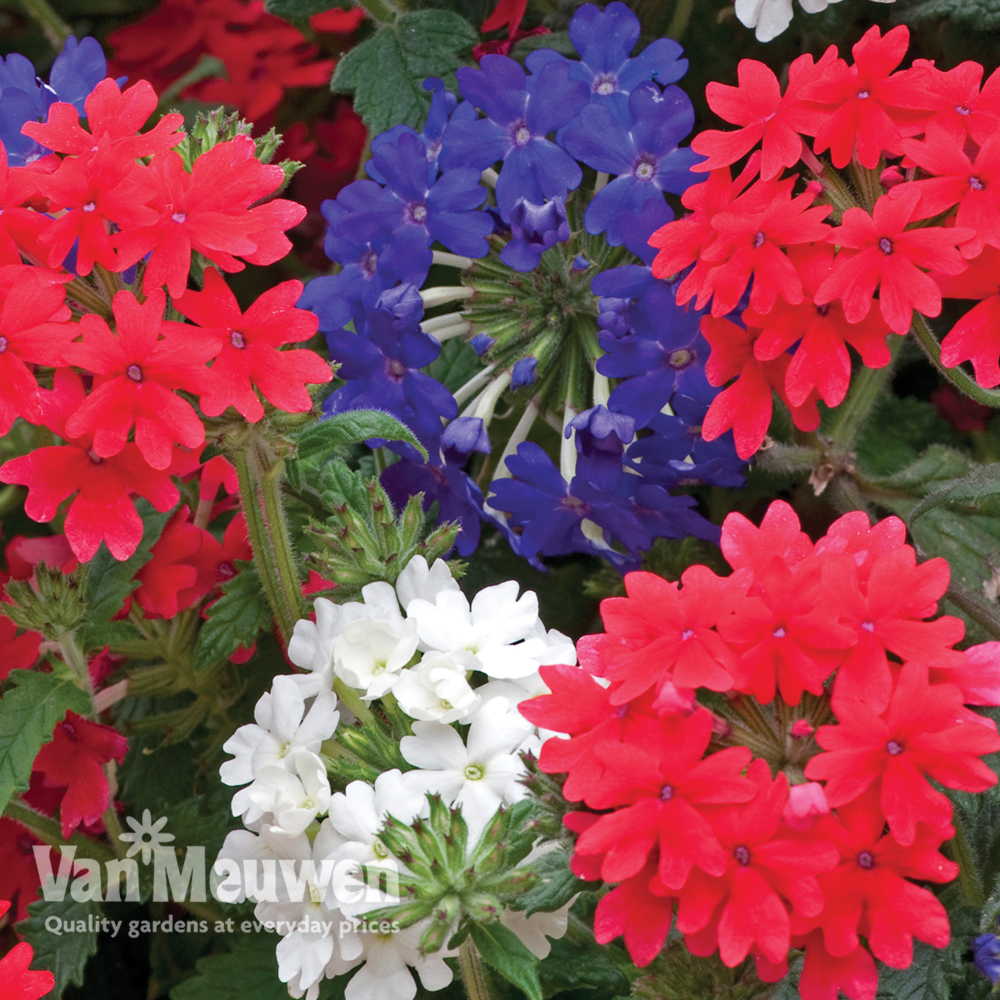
x=890 y=177
x=801 y=729
x=806 y=805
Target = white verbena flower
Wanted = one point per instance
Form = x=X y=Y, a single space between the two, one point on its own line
x=419 y=581
x=495 y=628
x=282 y=727
x=535 y=931
x=437 y=689
x=388 y=959
x=369 y=654
x=771 y=17
x=481 y=776
x=295 y=796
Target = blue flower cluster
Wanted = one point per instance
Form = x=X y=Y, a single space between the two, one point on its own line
x=24 y=98
x=529 y=136
x=986 y=956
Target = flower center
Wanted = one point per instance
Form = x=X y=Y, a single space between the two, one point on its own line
x=520 y=133
x=474 y=772
x=681 y=358
x=868 y=626
x=824 y=309
x=866 y=861
x=666 y=793
x=3 y=344
x=24 y=845
x=179 y=217
x=976 y=184
x=742 y=854
x=604 y=84
x=381 y=851
x=416 y=212
x=885 y=245
x=94 y=457
x=134 y=372
x=894 y=748
x=645 y=167
x=687 y=634
x=369 y=263
x=963 y=110
x=758 y=241
x=395 y=369
x=315 y=896
x=779 y=633
x=573 y=503
x=89 y=207
x=863 y=95
x=237 y=340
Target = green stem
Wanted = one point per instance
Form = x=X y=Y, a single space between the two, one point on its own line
x=679 y=22
x=866 y=389
x=49 y=832
x=55 y=28
x=383 y=11
x=259 y=474
x=471 y=967
x=957 y=377
x=968 y=876
x=73 y=658
x=977 y=609
x=11 y=498
x=352 y=700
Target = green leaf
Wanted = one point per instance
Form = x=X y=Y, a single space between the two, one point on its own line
x=983 y=15
x=558 y=886
x=502 y=950
x=109 y=581
x=923 y=980
x=234 y=620
x=934 y=468
x=247 y=974
x=339 y=484
x=353 y=427
x=897 y=432
x=298 y=10
x=970 y=491
x=28 y=714
x=455 y=365
x=574 y=967
x=386 y=72
x=64 y=955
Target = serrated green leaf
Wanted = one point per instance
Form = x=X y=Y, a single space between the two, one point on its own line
x=933 y=469
x=386 y=72
x=897 y=432
x=298 y=10
x=248 y=974
x=28 y=714
x=558 y=886
x=923 y=980
x=983 y=15
x=502 y=950
x=109 y=581
x=64 y=955
x=339 y=484
x=353 y=427
x=234 y=620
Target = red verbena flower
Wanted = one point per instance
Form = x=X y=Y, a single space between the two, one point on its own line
x=17 y=982
x=821 y=361
x=780 y=535
x=209 y=211
x=74 y=760
x=20 y=227
x=922 y=733
x=137 y=375
x=745 y=906
x=113 y=113
x=249 y=342
x=102 y=509
x=966 y=110
x=823 y=974
x=33 y=329
x=662 y=784
x=868 y=108
x=890 y=258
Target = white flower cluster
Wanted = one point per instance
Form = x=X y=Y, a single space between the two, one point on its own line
x=771 y=17
x=300 y=857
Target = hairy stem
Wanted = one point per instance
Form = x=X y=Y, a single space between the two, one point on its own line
x=968 y=876
x=259 y=474
x=48 y=831
x=380 y=10
x=56 y=30
x=679 y=22
x=866 y=389
x=471 y=967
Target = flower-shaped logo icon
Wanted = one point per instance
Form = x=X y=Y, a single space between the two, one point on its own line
x=146 y=836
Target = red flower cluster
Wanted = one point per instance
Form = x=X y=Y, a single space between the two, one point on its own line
x=682 y=817
x=123 y=415
x=814 y=283
x=263 y=55
x=16 y=981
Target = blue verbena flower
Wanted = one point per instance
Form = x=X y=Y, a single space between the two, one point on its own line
x=986 y=956
x=442 y=480
x=442 y=209
x=642 y=153
x=521 y=112
x=381 y=365
x=604 y=40
x=534 y=229
x=523 y=372
x=24 y=98
x=551 y=512
x=601 y=437
x=657 y=360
